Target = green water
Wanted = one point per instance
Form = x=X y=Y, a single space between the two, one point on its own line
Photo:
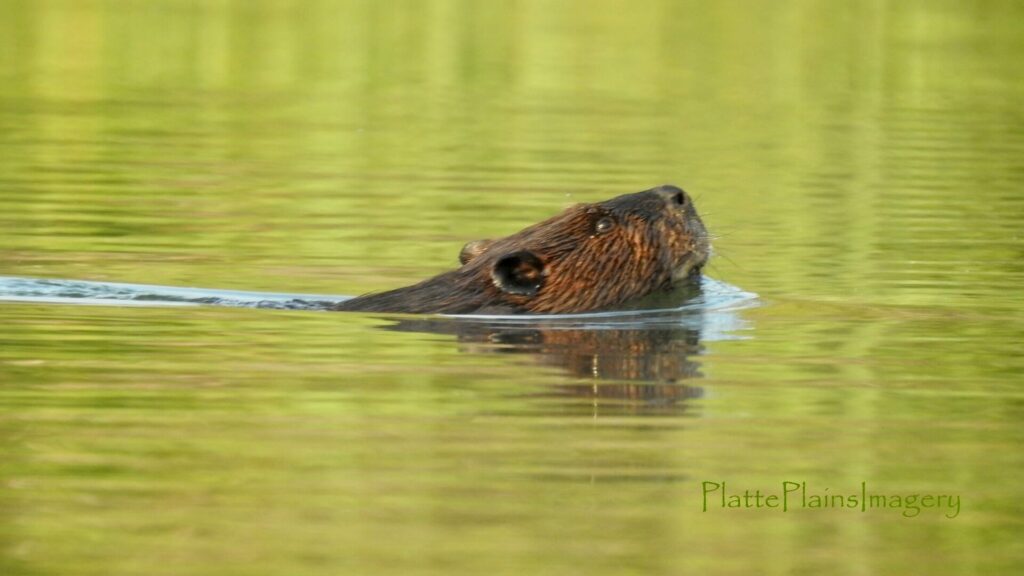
x=860 y=163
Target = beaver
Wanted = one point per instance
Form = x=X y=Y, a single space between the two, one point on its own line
x=590 y=257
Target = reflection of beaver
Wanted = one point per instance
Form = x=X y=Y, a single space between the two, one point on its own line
x=661 y=354
x=590 y=257
x=648 y=366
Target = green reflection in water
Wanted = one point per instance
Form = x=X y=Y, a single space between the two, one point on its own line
x=860 y=162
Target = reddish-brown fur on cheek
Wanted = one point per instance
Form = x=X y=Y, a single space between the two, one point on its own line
x=601 y=270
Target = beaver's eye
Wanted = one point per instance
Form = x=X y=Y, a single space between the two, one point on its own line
x=604 y=225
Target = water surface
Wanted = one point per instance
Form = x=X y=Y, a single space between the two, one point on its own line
x=859 y=163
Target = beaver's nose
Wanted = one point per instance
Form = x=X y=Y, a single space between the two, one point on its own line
x=672 y=195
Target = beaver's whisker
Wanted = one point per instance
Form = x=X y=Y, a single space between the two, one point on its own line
x=719 y=254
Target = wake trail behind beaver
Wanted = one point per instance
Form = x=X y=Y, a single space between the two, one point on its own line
x=59 y=291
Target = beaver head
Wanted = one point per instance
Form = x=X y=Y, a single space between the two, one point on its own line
x=590 y=257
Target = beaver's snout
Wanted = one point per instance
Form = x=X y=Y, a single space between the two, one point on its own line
x=698 y=250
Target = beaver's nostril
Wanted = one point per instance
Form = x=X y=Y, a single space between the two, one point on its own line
x=672 y=195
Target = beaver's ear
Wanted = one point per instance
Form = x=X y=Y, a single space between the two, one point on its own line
x=520 y=273
x=473 y=249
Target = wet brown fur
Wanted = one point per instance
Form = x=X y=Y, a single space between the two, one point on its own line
x=590 y=257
